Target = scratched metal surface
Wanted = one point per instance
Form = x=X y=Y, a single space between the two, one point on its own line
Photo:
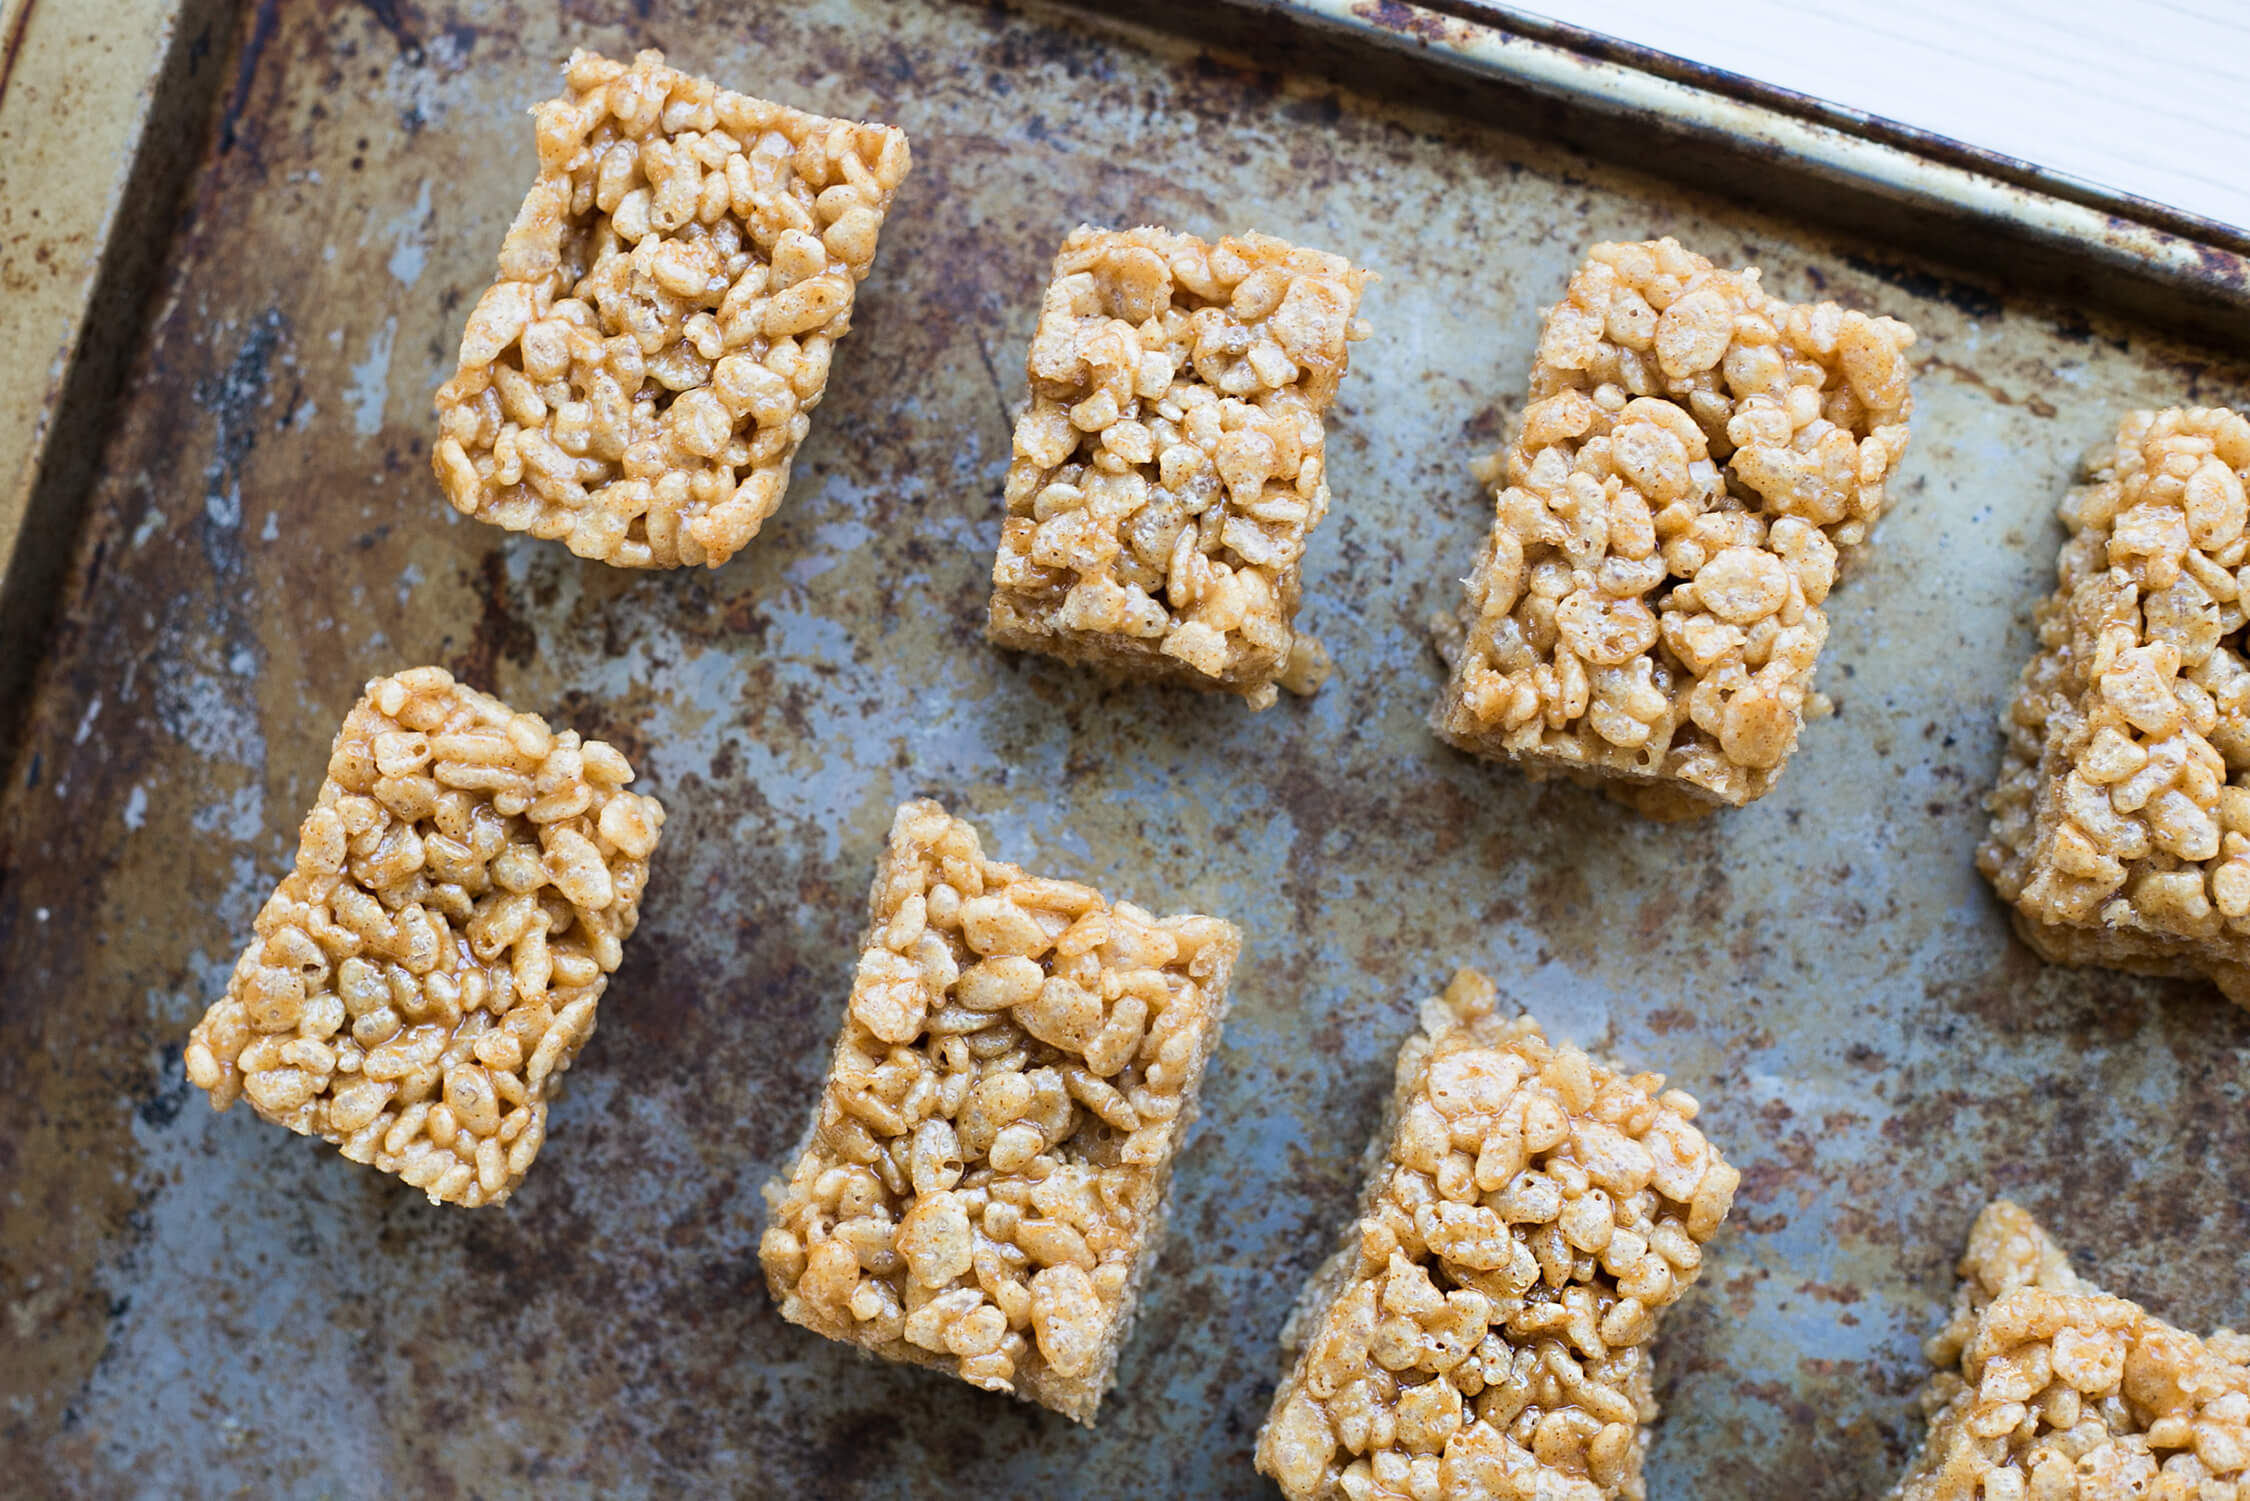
x=200 y=1305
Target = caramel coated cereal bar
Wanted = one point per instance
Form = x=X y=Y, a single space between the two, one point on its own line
x=1669 y=517
x=2121 y=819
x=981 y=1188
x=464 y=888
x=638 y=379
x=1485 y=1330
x=2052 y=1390
x=1170 y=468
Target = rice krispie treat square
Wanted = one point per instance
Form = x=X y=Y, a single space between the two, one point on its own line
x=2053 y=1390
x=464 y=887
x=1696 y=458
x=981 y=1187
x=1485 y=1329
x=2121 y=818
x=1171 y=465
x=639 y=377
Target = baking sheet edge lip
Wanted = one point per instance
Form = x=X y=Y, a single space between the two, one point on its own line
x=1916 y=140
x=1878 y=168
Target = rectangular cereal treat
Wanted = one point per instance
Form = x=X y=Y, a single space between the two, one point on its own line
x=2121 y=818
x=1485 y=1329
x=464 y=887
x=2053 y=1390
x=1695 y=458
x=639 y=377
x=981 y=1187
x=1171 y=466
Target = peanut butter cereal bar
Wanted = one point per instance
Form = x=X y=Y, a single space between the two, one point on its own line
x=1696 y=457
x=2121 y=819
x=981 y=1188
x=1170 y=467
x=638 y=379
x=2065 y=1393
x=1485 y=1329
x=464 y=887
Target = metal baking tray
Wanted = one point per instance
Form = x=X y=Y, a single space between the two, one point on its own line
x=199 y=1305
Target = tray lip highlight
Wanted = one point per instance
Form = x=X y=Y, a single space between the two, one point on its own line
x=1860 y=153
x=1604 y=47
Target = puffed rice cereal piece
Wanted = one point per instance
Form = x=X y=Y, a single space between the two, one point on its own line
x=2121 y=818
x=464 y=887
x=1485 y=1329
x=981 y=1187
x=1171 y=466
x=2049 y=1389
x=639 y=377
x=1697 y=461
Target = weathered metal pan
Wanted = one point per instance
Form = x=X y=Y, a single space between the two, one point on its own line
x=205 y=1305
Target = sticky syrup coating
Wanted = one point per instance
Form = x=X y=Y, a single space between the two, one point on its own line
x=2049 y=1389
x=464 y=886
x=1172 y=464
x=2121 y=817
x=982 y=1185
x=1696 y=461
x=1486 y=1330
x=638 y=378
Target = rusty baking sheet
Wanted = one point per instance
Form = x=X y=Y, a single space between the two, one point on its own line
x=102 y=103
x=208 y=1306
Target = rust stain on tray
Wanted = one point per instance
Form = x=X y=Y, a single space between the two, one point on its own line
x=1407 y=20
x=206 y=1305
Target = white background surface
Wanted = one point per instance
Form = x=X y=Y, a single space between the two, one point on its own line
x=2148 y=96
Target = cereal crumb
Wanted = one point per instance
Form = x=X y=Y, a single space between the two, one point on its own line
x=1308 y=667
x=1446 y=636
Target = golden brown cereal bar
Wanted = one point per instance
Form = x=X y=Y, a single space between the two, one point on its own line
x=2052 y=1390
x=1668 y=520
x=638 y=379
x=464 y=887
x=2121 y=818
x=981 y=1188
x=1171 y=466
x=1485 y=1329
